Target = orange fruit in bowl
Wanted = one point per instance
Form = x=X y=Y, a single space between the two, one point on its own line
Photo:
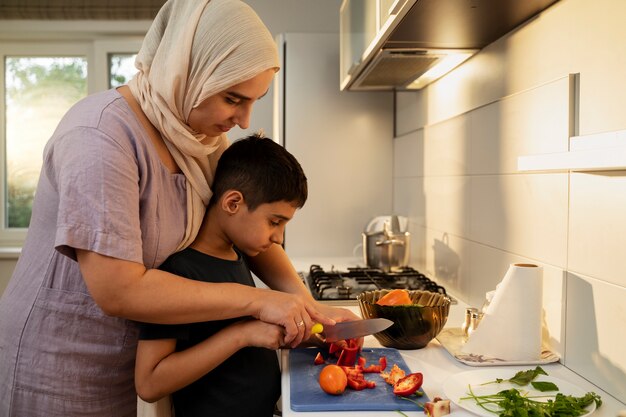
x=333 y=380
x=395 y=298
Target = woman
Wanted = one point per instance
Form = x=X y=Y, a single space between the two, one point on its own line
x=125 y=181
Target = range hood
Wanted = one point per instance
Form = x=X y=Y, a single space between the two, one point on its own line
x=409 y=68
x=432 y=33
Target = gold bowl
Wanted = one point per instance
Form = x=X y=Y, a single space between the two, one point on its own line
x=415 y=325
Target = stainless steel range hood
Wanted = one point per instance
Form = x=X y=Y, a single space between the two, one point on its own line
x=405 y=68
x=434 y=32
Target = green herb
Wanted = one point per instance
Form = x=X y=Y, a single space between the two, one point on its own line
x=511 y=403
x=420 y=405
x=544 y=386
x=522 y=377
x=417 y=394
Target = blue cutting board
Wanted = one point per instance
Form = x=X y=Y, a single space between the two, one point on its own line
x=306 y=394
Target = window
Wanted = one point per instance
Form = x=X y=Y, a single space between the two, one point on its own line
x=121 y=68
x=38 y=91
x=39 y=82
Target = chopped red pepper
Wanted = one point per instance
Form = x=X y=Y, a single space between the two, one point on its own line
x=408 y=385
x=357 y=385
x=319 y=359
x=354 y=365
x=356 y=377
x=347 y=357
x=353 y=372
x=361 y=362
x=336 y=347
x=349 y=352
x=382 y=364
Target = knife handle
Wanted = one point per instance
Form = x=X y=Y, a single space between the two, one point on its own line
x=317 y=328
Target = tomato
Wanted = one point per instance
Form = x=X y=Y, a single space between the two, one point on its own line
x=333 y=380
x=319 y=359
x=408 y=385
x=395 y=298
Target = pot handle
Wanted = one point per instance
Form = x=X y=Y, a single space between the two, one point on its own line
x=390 y=242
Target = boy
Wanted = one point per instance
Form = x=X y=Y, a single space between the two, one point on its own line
x=228 y=367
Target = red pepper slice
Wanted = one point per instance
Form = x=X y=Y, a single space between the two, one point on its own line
x=352 y=372
x=357 y=385
x=319 y=359
x=360 y=383
x=348 y=357
x=408 y=385
x=382 y=364
x=349 y=352
x=335 y=348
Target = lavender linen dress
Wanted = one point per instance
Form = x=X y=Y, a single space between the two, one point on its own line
x=102 y=188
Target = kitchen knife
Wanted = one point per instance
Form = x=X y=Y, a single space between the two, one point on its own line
x=354 y=329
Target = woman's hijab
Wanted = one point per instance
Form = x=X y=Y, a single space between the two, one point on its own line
x=193 y=50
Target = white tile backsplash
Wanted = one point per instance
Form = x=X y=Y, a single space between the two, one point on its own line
x=408 y=119
x=447 y=201
x=597 y=226
x=596 y=321
x=409 y=200
x=522 y=214
x=408 y=153
x=533 y=122
x=445 y=147
x=447 y=258
x=516 y=97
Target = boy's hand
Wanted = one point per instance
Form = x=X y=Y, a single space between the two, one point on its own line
x=260 y=334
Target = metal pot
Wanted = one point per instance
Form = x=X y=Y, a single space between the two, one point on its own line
x=386 y=250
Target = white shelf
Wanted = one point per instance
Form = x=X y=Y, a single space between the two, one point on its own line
x=598 y=152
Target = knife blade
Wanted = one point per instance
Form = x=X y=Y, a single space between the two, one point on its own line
x=354 y=329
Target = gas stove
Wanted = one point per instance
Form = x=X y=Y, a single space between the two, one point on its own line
x=345 y=286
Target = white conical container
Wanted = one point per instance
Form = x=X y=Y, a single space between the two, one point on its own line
x=511 y=327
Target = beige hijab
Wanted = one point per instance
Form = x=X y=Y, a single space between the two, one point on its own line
x=193 y=50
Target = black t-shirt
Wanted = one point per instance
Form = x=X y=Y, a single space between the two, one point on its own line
x=245 y=385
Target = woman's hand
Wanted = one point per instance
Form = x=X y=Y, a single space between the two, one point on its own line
x=296 y=313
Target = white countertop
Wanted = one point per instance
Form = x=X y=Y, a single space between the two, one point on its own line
x=436 y=364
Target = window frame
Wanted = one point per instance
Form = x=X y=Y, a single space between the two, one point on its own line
x=59 y=39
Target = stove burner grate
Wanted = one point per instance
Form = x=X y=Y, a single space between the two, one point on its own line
x=347 y=285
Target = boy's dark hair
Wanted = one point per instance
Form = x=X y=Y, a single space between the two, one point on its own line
x=262 y=170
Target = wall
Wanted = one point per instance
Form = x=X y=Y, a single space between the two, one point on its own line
x=282 y=16
x=343 y=140
x=472 y=213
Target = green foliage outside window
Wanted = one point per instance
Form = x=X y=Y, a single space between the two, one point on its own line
x=38 y=91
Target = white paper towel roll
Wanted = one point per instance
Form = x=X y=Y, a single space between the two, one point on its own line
x=511 y=326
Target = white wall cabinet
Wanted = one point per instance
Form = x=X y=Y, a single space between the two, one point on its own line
x=363 y=26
